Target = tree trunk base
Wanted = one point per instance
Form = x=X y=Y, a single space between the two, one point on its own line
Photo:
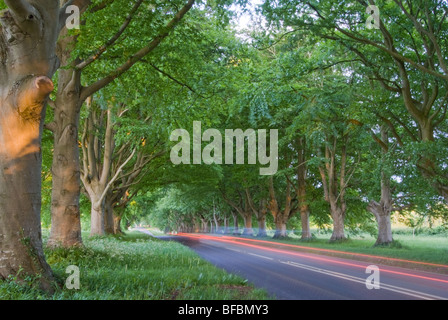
x=338 y=238
x=280 y=236
x=262 y=234
x=248 y=232
x=306 y=238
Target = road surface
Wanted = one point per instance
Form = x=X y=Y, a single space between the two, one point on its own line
x=288 y=274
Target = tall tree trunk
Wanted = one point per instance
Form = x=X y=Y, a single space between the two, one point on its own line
x=97 y=226
x=66 y=189
x=301 y=189
x=260 y=213
x=226 y=225
x=305 y=221
x=215 y=219
x=204 y=226
x=236 y=229
x=247 y=231
x=197 y=226
x=28 y=35
x=261 y=219
x=109 y=224
x=280 y=227
x=117 y=224
x=281 y=217
x=338 y=216
x=382 y=215
x=382 y=210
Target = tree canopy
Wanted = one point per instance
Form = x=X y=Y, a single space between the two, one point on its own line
x=348 y=101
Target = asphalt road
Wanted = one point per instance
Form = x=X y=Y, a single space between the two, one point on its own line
x=287 y=274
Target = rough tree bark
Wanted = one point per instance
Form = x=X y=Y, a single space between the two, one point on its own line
x=65 y=211
x=28 y=35
x=382 y=210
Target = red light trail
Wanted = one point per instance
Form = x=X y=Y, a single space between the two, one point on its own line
x=239 y=241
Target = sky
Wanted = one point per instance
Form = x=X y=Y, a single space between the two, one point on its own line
x=244 y=20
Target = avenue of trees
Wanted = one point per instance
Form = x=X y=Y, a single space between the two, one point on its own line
x=87 y=116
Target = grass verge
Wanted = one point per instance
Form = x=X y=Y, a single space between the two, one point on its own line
x=135 y=266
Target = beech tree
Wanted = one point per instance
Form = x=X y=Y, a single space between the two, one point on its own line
x=29 y=32
x=70 y=97
x=405 y=54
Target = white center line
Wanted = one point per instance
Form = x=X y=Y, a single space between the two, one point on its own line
x=409 y=292
x=257 y=255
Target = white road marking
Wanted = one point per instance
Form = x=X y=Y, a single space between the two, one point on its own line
x=405 y=291
x=257 y=255
x=409 y=292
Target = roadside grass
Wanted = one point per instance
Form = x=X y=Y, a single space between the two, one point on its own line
x=432 y=248
x=135 y=266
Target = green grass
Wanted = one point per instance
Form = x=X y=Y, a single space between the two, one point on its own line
x=431 y=248
x=135 y=266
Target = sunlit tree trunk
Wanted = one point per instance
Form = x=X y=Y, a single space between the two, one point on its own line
x=29 y=32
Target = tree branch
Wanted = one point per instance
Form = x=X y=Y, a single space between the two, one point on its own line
x=20 y=9
x=174 y=79
x=88 y=91
x=108 y=148
x=112 y=40
x=106 y=190
x=24 y=15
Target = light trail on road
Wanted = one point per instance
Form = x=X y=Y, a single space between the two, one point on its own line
x=287 y=272
x=339 y=252
x=238 y=241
